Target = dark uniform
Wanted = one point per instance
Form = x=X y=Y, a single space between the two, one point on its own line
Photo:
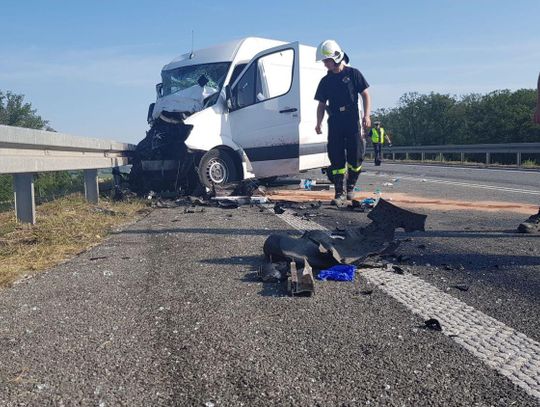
x=346 y=146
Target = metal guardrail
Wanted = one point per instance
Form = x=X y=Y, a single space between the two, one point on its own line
x=487 y=149
x=24 y=152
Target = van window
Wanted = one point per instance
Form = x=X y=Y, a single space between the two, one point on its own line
x=178 y=79
x=244 y=90
x=237 y=69
x=268 y=77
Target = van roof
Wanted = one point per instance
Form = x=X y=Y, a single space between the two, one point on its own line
x=223 y=52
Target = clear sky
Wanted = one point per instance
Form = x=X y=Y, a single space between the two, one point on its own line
x=90 y=67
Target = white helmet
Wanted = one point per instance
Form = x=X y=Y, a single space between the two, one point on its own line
x=330 y=49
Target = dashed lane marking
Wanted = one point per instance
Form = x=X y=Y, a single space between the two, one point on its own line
x=512 y=353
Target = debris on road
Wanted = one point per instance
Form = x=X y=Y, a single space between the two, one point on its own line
x=273 y=272
x=531 y=225
x=433 y=324
x=301 y=282
x=364 y=204
x=461 y=287
x=324 y=250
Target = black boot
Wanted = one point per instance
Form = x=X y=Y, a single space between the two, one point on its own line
x=339 y=198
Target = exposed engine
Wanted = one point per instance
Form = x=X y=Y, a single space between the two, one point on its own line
x=161 y=161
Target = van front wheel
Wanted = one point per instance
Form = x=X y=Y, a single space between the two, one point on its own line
x=217 y=167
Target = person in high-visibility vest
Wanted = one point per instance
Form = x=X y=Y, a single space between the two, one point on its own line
x=340 y=88
x=378 y=136
x=532 y=225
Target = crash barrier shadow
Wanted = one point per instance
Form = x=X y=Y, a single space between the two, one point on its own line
x=237 y=260
x=210 y=231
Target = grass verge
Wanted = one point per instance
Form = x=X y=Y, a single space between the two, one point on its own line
x=64 y=228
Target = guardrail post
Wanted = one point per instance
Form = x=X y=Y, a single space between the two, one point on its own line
x=393 y=156
x=423 y=157
x=25 y=206
x=518 y=159
x=462 y=157
x=488 y=158
x=441 y=157
x=91 y=189
x=407 y=156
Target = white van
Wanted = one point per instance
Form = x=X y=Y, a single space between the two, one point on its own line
x=247 y=108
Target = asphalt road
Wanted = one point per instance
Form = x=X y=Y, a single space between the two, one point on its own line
x=168 y=311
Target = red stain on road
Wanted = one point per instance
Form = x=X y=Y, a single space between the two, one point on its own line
x=407 y=200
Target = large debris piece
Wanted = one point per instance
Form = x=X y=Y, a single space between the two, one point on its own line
x=531 y=225
x=301 y=281
x=322 y=249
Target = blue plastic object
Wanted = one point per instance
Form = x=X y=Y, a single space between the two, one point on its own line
x=341 y=272
x=368 y=201
x=307 y=184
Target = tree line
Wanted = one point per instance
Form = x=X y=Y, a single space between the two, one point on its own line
x=500 y=116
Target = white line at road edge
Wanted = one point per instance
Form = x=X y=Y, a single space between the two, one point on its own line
x=466 y=184
x=511 y=353
x=453 y=167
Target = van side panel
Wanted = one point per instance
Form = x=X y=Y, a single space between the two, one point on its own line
x=312 y=145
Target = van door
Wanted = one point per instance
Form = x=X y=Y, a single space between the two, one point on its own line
x=265 y=111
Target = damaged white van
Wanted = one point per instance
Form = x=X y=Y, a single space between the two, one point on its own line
x=244 y=109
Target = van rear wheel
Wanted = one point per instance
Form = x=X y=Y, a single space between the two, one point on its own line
x=217 y=167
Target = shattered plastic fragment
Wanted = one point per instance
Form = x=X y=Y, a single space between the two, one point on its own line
x=433 y=324
x=461 y=287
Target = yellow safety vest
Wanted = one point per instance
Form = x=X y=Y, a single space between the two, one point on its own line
x=376 y=137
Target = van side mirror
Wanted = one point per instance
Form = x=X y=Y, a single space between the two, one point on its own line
x=150 y=113
x=159 y=90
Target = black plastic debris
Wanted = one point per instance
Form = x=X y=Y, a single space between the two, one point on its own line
x=197 y=201
x=531 y=225
x=323 y=249
x=278 y=209
x=461 y=287
x=398 y=270
x=273 y=272
x=192 y=210
x=433 y=324
x=226 y=204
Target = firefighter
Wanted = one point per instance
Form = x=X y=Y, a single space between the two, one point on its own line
x=378 y=136
x=340 y=88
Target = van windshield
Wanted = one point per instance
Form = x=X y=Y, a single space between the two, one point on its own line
x=178 y=79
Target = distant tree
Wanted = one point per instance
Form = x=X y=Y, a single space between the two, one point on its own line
x=501 y=116
x=15 y=112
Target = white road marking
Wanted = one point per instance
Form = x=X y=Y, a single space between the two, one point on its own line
x=512 y=353
x=466 y=184
x=454 y=168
